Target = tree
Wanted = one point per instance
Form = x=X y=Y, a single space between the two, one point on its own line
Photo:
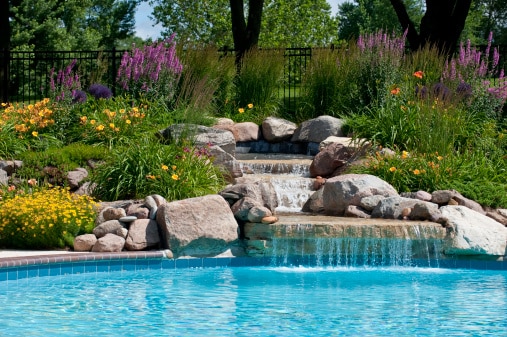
x=69 y=24
x=369 y=16
x=297 y=23
x=440 y=26
x=245 y=33
x=283 y=23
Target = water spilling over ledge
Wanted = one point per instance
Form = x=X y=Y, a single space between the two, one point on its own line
x=324 y=240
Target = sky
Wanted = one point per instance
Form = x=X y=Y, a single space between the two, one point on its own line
x=145 y=27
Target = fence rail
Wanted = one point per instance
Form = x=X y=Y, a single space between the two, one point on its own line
x=25 y=76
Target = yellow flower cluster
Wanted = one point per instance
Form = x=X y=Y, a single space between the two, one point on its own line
x=27 y=118
x=242 y=110
x=113 y=120
x=48 y=218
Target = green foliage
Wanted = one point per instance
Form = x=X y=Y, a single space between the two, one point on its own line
x=205 y=85
x=149 y=167
x=61 y=159
x=44 y=219
x=258 y=82
x=71 y=24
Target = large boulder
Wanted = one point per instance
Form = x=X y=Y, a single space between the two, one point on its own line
x=107 y=227
x=108 y=244
x=142 y=234
x=227 y=162
x=247 y=131
x=318 y=129
x=329 y=159
x=201 y=136
x=258 y=189
x=349 y=189
x=393 y=207
x=276 y=129
x=76 y=177
x=472 y=233
x=84 y=243
x=202 y=226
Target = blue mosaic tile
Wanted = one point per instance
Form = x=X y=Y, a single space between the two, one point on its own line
x=66 y=269
x=168 y=264
x=209 y=262
x=223 y=261
x=129 y=265
x=22 y=272
x=195 y=263
x=44 y=270
x=33 y=271
x=181 y=263
x=55 y=269
x=78 y=267
x=116 y=265
x=3 y=276
x=12 y=274
x=102 y=266
x=90 y=267
x=155 y=264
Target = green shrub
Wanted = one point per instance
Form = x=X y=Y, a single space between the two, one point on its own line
x=175 y=171
x=61 y=159
x=257 y=83
x=45 y=219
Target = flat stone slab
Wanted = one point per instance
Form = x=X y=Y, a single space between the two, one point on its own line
x=305 y=226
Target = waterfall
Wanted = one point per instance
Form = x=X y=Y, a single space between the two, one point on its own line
x=299 y=246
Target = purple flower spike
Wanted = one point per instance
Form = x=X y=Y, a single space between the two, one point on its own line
x=78 y=96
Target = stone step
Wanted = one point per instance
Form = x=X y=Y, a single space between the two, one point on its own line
x=256 y=163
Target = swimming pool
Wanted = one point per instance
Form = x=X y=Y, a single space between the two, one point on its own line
x=259 y=301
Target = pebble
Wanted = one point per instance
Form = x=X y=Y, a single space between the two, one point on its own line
x=129 y=218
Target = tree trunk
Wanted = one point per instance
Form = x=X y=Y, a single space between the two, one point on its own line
x=245 y=34
x=441 y=25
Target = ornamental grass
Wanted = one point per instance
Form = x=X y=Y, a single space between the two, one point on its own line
x=45 y=218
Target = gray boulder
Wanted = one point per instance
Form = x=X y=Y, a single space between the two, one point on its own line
x=392 y=208
x=318 y=129
x=108 y=227
x=276 y=129
x=142 y=234
x=108 y=244
x=349 y=189
x=201 y=136
x=4 y=179
x=76 y=177
x=247 y=131
x=202 y=226
x=472 y=233
x=113 y=213
x=84 y=243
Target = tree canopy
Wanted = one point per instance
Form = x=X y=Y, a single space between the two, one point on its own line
x=67 y=24
x=283 y=23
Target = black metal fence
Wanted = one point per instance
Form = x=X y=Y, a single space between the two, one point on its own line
x=25 y=76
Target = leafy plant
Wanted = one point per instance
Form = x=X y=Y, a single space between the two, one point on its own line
x=175 y=171
x=45 y=219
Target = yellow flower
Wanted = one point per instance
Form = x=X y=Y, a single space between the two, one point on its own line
x=173 y=167
x=35 y=133
x=241 y=110
x=440 y=157
x=404 y=154
x=392 y=169
x=416 y=172
x=100 y=127
x=128 y=121
x=111 y=125
x=83 y=119
x=250 y=106
x=92 y=122
x=150 y=176
x=175 y=177
x=165 y=167
x=122 y=111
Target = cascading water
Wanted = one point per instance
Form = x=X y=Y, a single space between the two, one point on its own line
x=302 y=239
x=289 y=175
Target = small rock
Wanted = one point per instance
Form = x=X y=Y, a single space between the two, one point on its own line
x=269 y=219
x=127 y=219
x=452 y=202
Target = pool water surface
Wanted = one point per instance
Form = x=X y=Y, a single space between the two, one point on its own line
x=259 y=301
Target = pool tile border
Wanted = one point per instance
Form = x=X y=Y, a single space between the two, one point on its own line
x=17 y=268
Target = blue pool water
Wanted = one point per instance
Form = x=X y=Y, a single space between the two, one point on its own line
x=259 y=301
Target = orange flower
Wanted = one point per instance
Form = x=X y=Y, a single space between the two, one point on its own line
x=416 y=172
x=395 y=91
x=392 y=169
x=419 y=74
